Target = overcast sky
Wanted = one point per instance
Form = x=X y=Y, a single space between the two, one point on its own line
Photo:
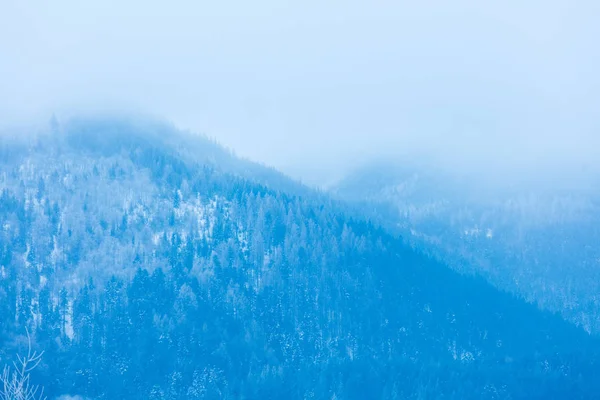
x=314 y=87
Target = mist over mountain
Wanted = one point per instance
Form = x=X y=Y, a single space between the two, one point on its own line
x=312 y=88
x=536 y=238
x=347 y=200
x=151 y=263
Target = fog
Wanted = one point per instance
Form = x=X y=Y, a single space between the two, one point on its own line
x=314 y=88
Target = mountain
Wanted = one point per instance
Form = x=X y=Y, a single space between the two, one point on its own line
x=538 y=240
x=150 y=263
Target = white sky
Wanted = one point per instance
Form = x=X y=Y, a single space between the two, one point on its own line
x=314 y=87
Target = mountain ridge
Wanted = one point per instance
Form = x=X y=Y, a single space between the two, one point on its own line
x=534 y=241
x=146 y=274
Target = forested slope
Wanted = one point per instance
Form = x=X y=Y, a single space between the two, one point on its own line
x=536 y=239
x=152 y=264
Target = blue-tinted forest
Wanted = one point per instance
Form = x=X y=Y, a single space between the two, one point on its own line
x=149 y=263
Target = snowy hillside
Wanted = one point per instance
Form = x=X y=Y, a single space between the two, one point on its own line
x=152 y=264
x=538 y=242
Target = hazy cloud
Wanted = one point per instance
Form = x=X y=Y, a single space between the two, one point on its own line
x=317 y=86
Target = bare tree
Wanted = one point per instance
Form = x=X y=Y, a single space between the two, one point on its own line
x=15 y=382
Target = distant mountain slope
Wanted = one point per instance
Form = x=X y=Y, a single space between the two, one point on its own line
x=151 y=264
x=537 y=241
